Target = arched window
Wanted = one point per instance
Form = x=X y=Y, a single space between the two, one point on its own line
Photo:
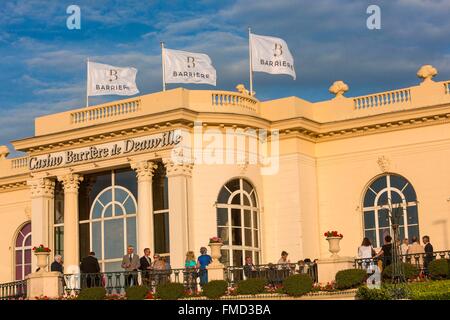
x=23 y=252
x=111 y=223
x=238 y=222
x=397 y=190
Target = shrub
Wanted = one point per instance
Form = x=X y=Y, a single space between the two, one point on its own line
x=350 y=278
x=215 y=289
x=98 y=293
x=364 y=293
x=439 y=269
x=251 y=286
x=170 y=291
x=136 y=292
x=297 y=285
x=430 y=290
x=410 y=271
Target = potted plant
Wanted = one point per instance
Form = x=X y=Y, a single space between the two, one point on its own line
x=333 y=238
x=42 y=254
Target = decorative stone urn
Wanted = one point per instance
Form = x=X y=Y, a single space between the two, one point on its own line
x=42 y=260
x=215 y=253
x=333 y=246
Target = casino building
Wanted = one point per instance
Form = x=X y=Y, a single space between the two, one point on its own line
x=171 y=169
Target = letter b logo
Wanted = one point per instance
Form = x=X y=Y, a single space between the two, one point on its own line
x=278 y=50
x=190 y=62
x=113 y=75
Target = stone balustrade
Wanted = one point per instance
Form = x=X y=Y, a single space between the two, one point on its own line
x=105 y=111
x=382 y=99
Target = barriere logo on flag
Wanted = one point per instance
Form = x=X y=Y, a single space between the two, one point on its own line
x=105 y=79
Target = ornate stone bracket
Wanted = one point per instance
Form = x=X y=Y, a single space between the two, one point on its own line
x=384 y=163
x=71 y=182
x=42 y=187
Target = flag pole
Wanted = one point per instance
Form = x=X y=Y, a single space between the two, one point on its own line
x=163 y=66
x=250 y=61
x=87 y=82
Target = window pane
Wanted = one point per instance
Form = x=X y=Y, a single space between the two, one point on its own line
x=255 y=220
x=371 y=234
x=127 y=179
x=108 y=211
x=118 y=211
x=224 y=194
x=19 y=257
x=383 y=233
x=236 y=234
x=233 y=185
x=401 y=233
x=59 y=238
x=412 y=215
x=255 y=235
x=383 y=199
x=113 y=267
x=223 y=234
x=160 y=189
x=19 y=240
x=248 y=237
x=96 y=239
x=97 y=211
x=19 y=273
x=120 y=195
x=248 y=254
x=383 y=218
x=26 y=229
x=84 y=241
x=131 y=232
x=225 y=258
x=222 y=216
x=409 y=193
x=161 y=228
x=396 y=197
x=59 y=203
x=130 y=206
x=27 y=269
x=253 y=196
x=236 y=217
x=97 y=183
x=28 y=240
x=369 y=198
x=247 y=219
x=114 y=235
x=236 y=199
x=246 y=200
x=413 y=231
x=237 y=258
x=379 y=184
x=28 y=256
x=256 y=262
x=247 y=186
x=369 y=220
x=106 y=197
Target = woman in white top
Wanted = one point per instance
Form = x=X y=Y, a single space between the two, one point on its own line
x=365 y=251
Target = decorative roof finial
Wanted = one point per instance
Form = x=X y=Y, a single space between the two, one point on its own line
x=338 y=88
x=427 y=72
x=4 y=152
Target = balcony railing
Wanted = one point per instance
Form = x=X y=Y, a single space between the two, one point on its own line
x=273 y=273
x=16 y=290
x=233 y=99
x=383 y=99
x=111 y=110
x=420 y=260
x=117 y=282
x=19 y=163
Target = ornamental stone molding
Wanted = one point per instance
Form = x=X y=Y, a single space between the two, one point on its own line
x=42 y=187
x=427 y=72
x=144 y=169
x=27 y=212
x=178 y=168
x=71 y=182
x=338 y=88
x=384 y=163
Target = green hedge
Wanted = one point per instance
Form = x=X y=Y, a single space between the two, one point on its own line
x=364 y=293
x=350 y=278
x=97 y=293
x=430 y=290
x=215 y=289
x=410 y=270
x=136 y=292
x=251 y=286
x=297 y=285
x=170 y=291
x=439 y=269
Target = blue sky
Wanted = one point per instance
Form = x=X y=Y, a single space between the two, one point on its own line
x=43 y=67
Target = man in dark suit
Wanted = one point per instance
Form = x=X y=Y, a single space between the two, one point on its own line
x=428 y=253
x=90 y=270
x=146 y=266
x=57 y=264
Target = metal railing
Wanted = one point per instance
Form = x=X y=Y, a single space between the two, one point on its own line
x=419 y=260
x=16 y=290
x=273 y=273
x=117 y=282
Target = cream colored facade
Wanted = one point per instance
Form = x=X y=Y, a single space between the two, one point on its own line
x=329 y=153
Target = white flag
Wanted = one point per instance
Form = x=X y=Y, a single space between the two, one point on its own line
x=188 y=67
x=271 y=55
x=104 y=79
